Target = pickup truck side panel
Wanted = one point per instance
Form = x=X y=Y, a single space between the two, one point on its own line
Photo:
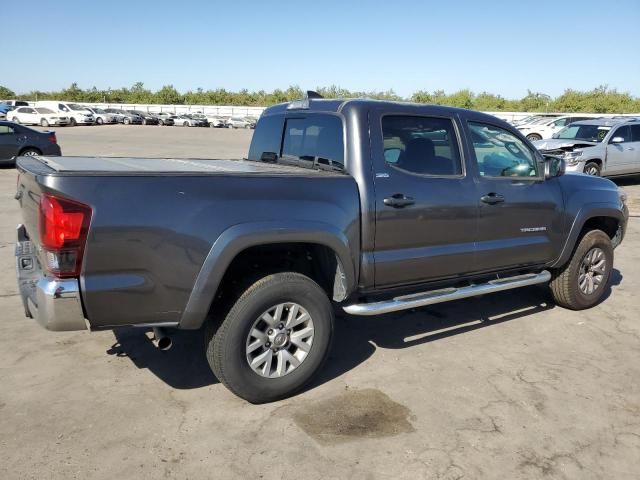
x=149 y=240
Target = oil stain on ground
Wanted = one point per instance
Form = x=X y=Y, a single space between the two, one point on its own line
x=353 y=415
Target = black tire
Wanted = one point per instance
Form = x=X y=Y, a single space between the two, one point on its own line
x=99 y=121
x=16 y=120
x=44 y=123
x=126 y=121
x=161 y=123
x=226 y=341
x=72 y=122
x=532 y=137
x=593 y=169
x=565 y=281
x=185 y=124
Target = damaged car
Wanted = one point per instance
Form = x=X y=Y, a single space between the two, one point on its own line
x=604 y=147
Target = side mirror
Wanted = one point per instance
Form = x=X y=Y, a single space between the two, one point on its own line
x=616 y=140
x=554 y=166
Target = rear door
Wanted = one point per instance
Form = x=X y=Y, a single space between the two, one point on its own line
x=520 y=217
x=426 y=204
x=620 y=154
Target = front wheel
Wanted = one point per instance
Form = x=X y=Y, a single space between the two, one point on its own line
x=274 y=338
x=592 y=168
x=44 y=123
x=532 y=137
x=16 y=120
x=73 y=122
x=582 y=282
x=126 y=121
x=99 y=121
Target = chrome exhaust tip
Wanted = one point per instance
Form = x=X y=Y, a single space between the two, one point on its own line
x=161 y=339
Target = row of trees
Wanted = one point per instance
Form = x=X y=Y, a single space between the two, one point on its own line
x=599 y=100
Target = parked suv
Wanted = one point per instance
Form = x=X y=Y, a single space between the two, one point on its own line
x=601 y=147
x=546 y=127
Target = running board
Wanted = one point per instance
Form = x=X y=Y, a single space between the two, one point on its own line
x=423 y=299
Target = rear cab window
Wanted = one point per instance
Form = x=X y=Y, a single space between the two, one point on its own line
x=316 y=138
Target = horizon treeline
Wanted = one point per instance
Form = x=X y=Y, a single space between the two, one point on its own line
x=601 y=99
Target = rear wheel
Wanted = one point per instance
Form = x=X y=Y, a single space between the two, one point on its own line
x=532 y=137
x=161 y=123
x=99 y=121
x=583 y=280
x=592 y=168
x=73 y=122
x=185 y=124
x=29 y=152
x=274 y=338
x=126 y=120
x=44 y=123
x=15 y=120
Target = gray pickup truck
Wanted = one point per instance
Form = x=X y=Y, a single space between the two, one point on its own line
x=371 y=207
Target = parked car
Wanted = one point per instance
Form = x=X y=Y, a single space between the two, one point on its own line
x=123 y=116
x=216 y=121
x=164 y=118
x=600 y=147
x=534 y=118
x=102 y=116
x=18 y=140
x=38 y=116
x=147 y=118
x=14 y=103
x=545 y=128
x=259 y=252
x=188 y=121
x=239 y=122
x=78 y=114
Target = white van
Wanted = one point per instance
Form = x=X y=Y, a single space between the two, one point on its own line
x=78 y=114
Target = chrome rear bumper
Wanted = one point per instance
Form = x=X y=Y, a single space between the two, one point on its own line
x=54 y=302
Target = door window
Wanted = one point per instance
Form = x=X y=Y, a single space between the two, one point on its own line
x=635 y=133
x=500 y=153
x=422 y=145
x=623 y=132
x=5 y=129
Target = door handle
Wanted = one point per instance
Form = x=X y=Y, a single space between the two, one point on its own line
x=398 y=201
x=492 y=198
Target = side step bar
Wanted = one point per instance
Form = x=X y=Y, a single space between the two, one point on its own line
x=423 y=299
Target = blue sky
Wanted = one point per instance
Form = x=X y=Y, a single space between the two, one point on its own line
x=503 y=47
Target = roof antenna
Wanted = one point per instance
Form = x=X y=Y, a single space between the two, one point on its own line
x=311 y=94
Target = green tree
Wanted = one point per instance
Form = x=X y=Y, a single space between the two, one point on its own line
x=5 y=93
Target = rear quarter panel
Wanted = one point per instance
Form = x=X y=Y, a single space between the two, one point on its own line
x=149 y=236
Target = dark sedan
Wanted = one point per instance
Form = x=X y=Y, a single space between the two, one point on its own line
x=18 y=140
x=147 y=118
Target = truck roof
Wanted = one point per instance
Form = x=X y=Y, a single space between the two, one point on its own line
x=338 y=105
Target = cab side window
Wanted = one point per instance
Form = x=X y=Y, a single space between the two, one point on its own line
x=499 y=153
x=623 y=132
x=421 y=145
x=62 y=108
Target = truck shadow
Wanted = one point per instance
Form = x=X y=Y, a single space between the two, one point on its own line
x=356 y=338
x=184 y=366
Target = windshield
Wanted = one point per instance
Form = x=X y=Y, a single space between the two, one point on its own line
x=44 y=110
x=76 y=107
x=589 y=133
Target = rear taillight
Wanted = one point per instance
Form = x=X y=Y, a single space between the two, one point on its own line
x=52 y=138
x=64 y=225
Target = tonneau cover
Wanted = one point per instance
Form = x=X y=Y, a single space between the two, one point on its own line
x=126 y=165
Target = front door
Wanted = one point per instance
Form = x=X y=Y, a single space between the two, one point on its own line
x=620 y=153
x=520 y=219
x=426 y=204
